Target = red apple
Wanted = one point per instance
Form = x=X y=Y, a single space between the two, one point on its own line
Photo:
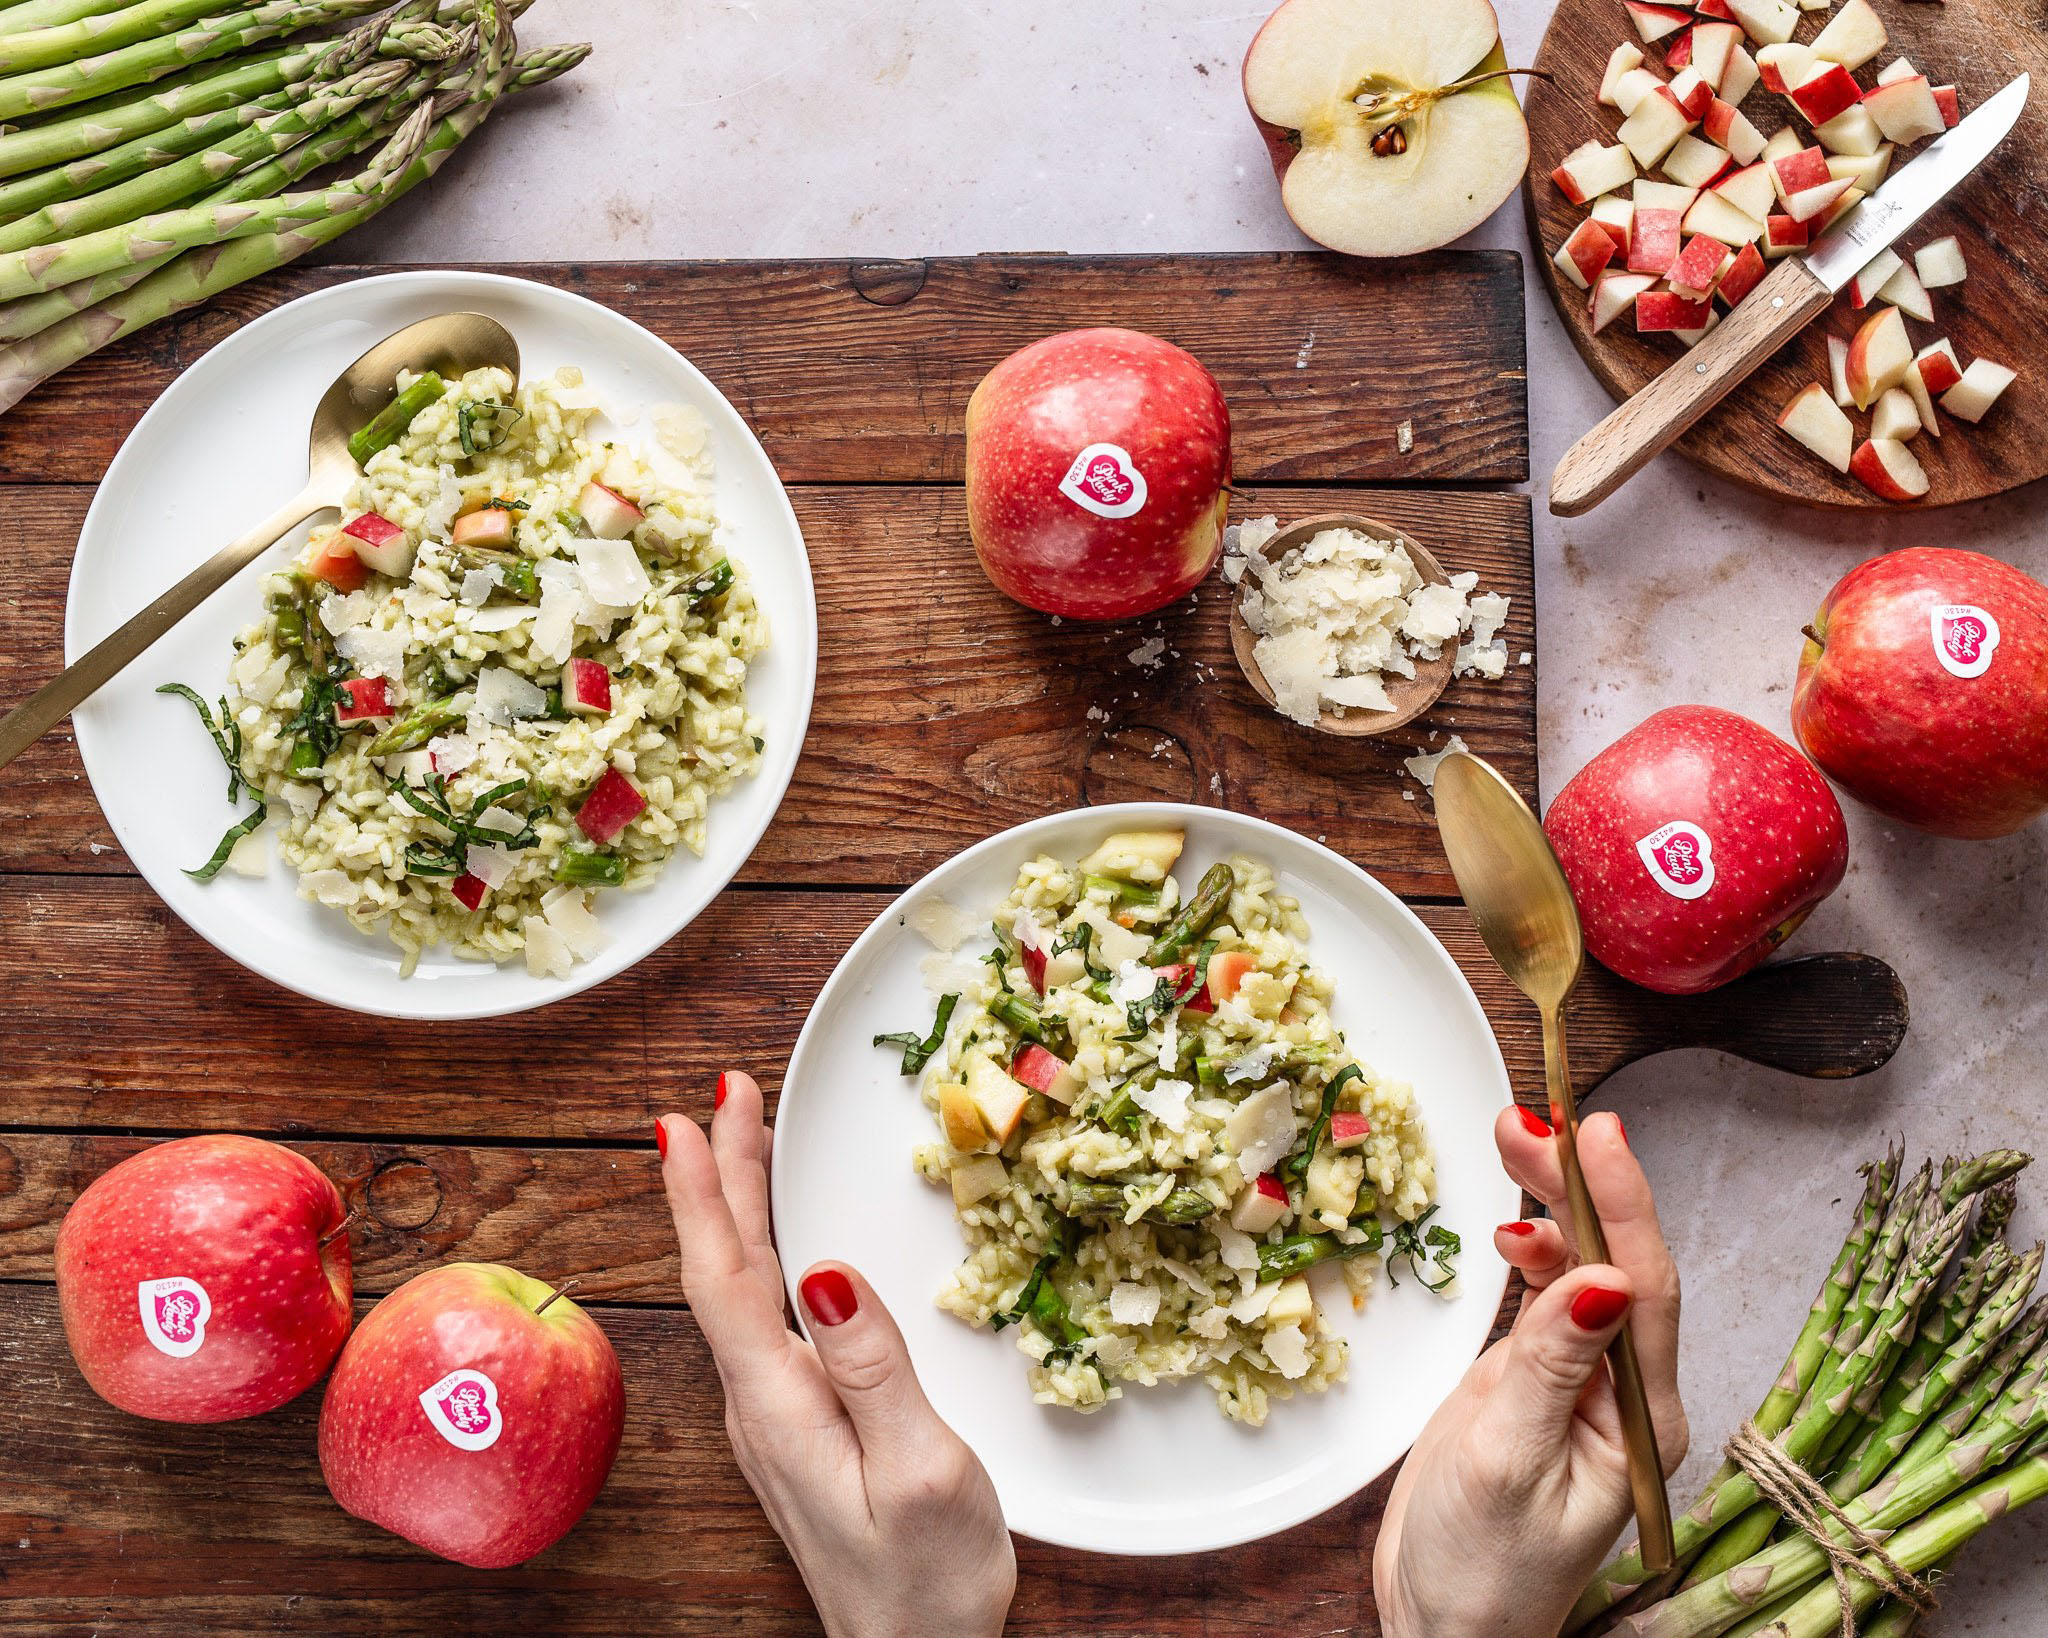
x=475 y=1413
x=1096 y=469
x=1923 y=691
x=1695 y=845
x=205 y=1279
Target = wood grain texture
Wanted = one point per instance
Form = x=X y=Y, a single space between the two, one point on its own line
x=1997 y=314
x=109 y=1522
x=860 y=372
x=945 y=712
x=1658 y=416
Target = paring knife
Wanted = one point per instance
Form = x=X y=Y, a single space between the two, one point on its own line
x=1798 y=292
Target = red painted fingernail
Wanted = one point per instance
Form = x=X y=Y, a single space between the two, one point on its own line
x=1597 y=1307
x=1623 y=1130
x=828 y=1294
x=1520 y=1231
x=661 y=1139
x=1534 y=1123
x=718 y=1097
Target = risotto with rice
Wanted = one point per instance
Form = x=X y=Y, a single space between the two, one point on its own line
x=1153 y=1130
x=514 y=676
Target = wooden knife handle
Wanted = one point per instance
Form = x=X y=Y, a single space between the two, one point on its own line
x=1828 y=1017
x=1649 y=423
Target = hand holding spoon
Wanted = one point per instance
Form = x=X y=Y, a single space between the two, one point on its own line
x=1515 y=890
x=451 y=344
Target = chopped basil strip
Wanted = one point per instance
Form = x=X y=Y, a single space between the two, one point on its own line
x=1421 y=1246
x=917 y=1053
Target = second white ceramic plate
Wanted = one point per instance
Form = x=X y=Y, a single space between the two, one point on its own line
x=1160 y=1470
x=224 y=446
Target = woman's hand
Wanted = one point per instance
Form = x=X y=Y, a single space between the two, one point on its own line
x=1518 y=1485
x=890 y=1518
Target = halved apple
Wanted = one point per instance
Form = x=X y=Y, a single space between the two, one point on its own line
x=1392 y=126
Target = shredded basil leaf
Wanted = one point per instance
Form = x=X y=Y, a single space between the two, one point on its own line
x=1295 y=1166
x=917 y=1053
x=482 y=424
x=1422 y=1245
x=451 y=858
x=227 y=739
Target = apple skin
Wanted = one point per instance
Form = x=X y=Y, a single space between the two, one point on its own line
x=242 y=1218
x=1036 y=412
x=561 y=1407
x=1779 y=847
x=1965 y=757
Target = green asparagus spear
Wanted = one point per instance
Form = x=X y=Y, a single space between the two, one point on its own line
x=1986 y=1170
x=1211 y=898
x=48 y=13
x=421 y=724
x=590 y=867
x=53 y=44
x=1181 y=1207
x=1121 y=891
x=1299 y=1252
x=388 y=425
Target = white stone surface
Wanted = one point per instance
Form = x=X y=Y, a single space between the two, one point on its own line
x=931 y=127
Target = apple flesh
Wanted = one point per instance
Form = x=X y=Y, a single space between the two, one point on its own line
x=1879 y=355
x=1695 y=845
x=1815 y=420
x=1982 y=385
x=1941 y=264
x=1909 y=703
x=1097 y=465
x=205 y=1279
x=1353 y=176
x=475 y=1413
x=1887 y=469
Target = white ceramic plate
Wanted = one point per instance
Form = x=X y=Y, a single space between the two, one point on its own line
x=225 y=445
x=1160 y=1470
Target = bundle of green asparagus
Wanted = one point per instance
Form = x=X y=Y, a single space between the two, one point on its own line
x=1916 y=1394
x=157 y=152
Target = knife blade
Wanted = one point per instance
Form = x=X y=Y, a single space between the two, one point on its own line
x=1793 y=296
x=1880 y=221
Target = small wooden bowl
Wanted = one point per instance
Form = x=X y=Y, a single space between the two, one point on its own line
x=1411 y=695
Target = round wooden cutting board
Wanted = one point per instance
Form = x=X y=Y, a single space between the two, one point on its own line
x=2000 y=215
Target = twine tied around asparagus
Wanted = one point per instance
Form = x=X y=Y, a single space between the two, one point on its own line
x=1805 y=1501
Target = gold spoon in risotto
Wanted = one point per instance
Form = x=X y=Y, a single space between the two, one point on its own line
x=359 y=414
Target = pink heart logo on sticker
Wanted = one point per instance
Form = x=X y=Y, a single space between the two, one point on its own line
x=174 y=1313
x=1103 y=479
x=463 y=1408
x=1680 y=859
x=1965 y=638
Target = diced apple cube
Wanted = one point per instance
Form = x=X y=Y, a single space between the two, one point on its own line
x=1749 y=191
x=1897 y=69
x=1713 y=48
x=1650 y=131
x=1740 y=78
x=1865 y=171
x=1799 y=170
x=1782 y=145
x=1715 y=216
x=1838 y=370
x=1349 y=1130
x=364 y=699
x=1694 y=93
x=1698 y=268
x=1905 y=292
x=1654 y=245
x=1624 y=57
x=1678 y=50
x=1810 y=203
x=1654 y=22
x=1649 y=195
x=1141 y=856
x=1768 y=22
x=976 y=1178
x=489 y=527
x=1717 y=10
x=1863 y=288
x=587 y=688
x=1854 y=35
x=1593 y=170
x=1982 y=385
x=1001 y=1098
x=1813 y=419
x=332 y=558
x=610 y=515
x=381 y=544
x=1614 y=293
x=1905 y=110
x=1896 y=416
x=1633 y=87
x=611 y=806
x=960 y=1118
x=1941 y=263
x=1616 y=216
x=1292 y=1304
x=1046 y=1073
x=1260 y=1205
x=1879 y=354
x=1829 y=89
x=1839 y=209
x=1726 y=125
x=1950 y=102
x=1887 y=469
x=1744 y=274
x=1694 y=163
x=1915 y=387
x=470 y=891
x=1852 y=131
x=1699 y=332
x=1782 y=65
x=1659 y=311
x=1939 y=366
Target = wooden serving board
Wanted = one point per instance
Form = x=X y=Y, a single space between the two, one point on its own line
x=943 y=714
x=1998 y=313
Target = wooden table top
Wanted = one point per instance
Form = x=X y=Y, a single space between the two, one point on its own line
x=943 y=713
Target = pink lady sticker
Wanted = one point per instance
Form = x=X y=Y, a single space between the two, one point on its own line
x=1104 y=480
x=1965 y=638
x=174 y=1314
x=1680 y=858
x=463 y=1406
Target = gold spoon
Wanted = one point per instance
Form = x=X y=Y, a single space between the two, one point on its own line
x=1517 y=893
x=1411 y=696
x=452 y=344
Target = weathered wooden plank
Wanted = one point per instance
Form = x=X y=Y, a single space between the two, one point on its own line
x=110 y=1521
x=861 y=372
x=946 y=712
